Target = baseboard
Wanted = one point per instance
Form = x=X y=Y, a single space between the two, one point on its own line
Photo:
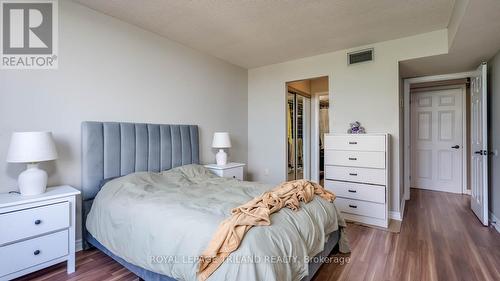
x=468 y=192
x=494 y=222
x=78 y=245
x=402 y=209
x=447 y=191
x=393 y=215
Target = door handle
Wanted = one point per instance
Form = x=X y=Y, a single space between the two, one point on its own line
x=456 y=146
x=353 y=158
x=483 y=152
x=352 y=190
x=353 y=206
x=480 y=152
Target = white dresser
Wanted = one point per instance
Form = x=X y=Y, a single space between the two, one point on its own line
x=37 y=231
x=357 y=171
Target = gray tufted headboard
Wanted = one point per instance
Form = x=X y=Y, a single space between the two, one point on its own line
x=111 y=149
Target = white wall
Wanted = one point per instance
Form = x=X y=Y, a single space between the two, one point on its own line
x=494 y=140
x=113 y=71
x=368 y=92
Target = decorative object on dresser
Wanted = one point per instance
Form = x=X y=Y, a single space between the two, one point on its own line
x=357 y=170
x=221 y=140
x=32 y=148
x=37 y=231
x=230 y=170
x=356 y=128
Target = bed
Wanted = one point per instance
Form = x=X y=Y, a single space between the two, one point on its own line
x=148 y=152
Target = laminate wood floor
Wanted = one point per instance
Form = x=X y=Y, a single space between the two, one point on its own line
x=440 y=239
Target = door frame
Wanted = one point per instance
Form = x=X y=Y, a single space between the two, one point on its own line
x=407 y=129
x=314 y=127
x=465 y=147
x=304 y=95
x=315 y=147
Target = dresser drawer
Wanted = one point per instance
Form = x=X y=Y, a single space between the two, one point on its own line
x=354 y=174
x=373 y=193
x=32 y=222
x=362 y=208
x=367 y=159
x=32 y=252
x=355 y=142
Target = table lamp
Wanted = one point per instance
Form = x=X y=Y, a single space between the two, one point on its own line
x=221 y=140
x=32 y=148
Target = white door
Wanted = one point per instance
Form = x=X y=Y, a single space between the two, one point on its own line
x=437 y=140
x=479 y=146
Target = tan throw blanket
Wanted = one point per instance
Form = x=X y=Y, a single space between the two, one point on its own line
x=230 y=233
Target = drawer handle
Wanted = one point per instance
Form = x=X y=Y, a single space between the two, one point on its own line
x=37 y=222
x=352 y=190
x=353 y=142
x=353 y=158
x=36 y=253
x=353 y=174
x=353 y=206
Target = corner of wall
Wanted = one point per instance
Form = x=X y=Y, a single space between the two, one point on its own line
x=455 y=19
x=494 y=138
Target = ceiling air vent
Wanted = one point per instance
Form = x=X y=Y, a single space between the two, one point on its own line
x=360 y=56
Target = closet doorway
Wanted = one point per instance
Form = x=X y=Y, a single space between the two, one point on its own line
x=307 y=122
x=299 y=133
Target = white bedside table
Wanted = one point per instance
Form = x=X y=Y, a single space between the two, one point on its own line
x=37 y=231
x=230 y=170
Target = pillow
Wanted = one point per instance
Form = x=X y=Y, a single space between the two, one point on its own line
x=193 y=171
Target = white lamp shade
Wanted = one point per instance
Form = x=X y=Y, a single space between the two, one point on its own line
x=31 y=147
x=221 y=140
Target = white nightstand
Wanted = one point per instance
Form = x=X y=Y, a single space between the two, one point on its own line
x=37 y=231
x=230 y=170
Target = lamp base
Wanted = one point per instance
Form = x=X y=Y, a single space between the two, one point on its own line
x=32 y=181
x=221 y=157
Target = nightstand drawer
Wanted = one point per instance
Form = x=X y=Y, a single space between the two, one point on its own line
x=33 y=252
x=230 y=170
x=32 y=222
x=235 y=173
x=366 y=192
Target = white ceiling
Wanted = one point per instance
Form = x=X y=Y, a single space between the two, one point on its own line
x=477 y=39
x=252 y=33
